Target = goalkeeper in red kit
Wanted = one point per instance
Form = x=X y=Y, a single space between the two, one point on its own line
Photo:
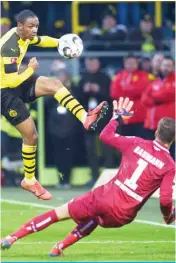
x=146 y=166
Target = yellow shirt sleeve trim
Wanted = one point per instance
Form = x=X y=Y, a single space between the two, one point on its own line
x=45 y=41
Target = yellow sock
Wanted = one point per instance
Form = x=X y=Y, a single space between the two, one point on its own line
x=29 y=161
x=64 y=97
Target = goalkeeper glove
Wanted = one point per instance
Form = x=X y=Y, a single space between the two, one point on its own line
x=122 y=114
x=171 y=218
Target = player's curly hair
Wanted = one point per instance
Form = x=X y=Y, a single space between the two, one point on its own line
x=166 y=130
x=23 y=15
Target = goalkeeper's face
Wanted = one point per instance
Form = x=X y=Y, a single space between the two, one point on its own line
x=29 y=28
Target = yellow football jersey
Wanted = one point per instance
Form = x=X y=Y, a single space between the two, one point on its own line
x=12 y=52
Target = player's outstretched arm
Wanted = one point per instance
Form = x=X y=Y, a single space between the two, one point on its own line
x=121 y=111
x=166 y=191
x=45 y=41
x=12 y=77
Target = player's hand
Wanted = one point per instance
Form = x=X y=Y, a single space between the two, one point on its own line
x=87 y=87
x=122 y=109
x=95 y=87
x=33 y=63
x=171 y=218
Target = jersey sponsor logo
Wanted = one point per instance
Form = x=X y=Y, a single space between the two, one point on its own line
x=13 y=60
x=10 y=68
x=13 y=113
x=135 y=78
x=14 y=50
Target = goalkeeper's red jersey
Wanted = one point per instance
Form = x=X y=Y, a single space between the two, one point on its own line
x=146 y=166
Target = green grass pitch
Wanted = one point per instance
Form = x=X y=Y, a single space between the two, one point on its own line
x=134 y=242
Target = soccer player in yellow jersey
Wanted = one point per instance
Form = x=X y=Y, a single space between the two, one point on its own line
x=18 y=89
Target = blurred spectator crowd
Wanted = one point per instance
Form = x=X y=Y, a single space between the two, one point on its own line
x=147 y=80
x=150 y=84
x=125 y=25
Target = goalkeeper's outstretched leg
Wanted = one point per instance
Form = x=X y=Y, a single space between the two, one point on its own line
x=44 y=220
x=80 y=231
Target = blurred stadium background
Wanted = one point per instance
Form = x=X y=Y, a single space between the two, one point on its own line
x=111 y=31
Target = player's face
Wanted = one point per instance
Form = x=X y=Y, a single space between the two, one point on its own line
x=146 y=26
x=167 y=67
x=157 y=60
x=131 y=64
x=108 y=22
x=146 y=64
x=30 y=28
x=92 y=65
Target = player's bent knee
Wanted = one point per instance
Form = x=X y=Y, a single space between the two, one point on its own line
x=62 y=212
x=58 y=83
x=55 y=85
x=48 y=86
x=32 y=139
x=35 y=138
x=43 y=83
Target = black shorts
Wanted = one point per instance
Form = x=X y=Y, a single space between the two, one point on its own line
x=13 y=101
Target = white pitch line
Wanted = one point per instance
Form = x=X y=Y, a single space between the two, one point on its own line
x=102 y=242
x=14 y=202
x=51 y=207
x=153 y=223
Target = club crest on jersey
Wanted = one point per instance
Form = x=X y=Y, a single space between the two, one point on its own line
x=12 y=113
x=135 y=78
x=13 y=60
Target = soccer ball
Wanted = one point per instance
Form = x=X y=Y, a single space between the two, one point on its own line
x=70 y=46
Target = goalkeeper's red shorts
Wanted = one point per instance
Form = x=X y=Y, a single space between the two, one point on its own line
x=90 y=206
